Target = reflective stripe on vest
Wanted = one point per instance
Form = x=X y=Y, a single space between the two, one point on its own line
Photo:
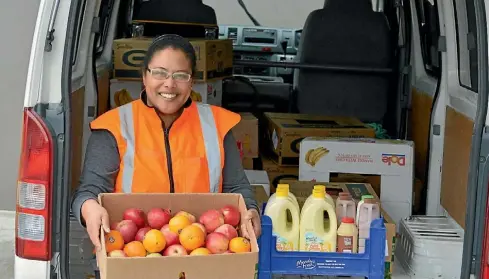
x=210 y=136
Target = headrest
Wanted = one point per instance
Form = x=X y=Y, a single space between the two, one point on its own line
x=349 y=5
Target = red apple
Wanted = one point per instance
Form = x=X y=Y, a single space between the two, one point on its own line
x=141 y=233
x=217 y=243
x=128 y=229
x=175 y=250
x=211 y=219
x=231 y=215
x=113 y=225
x=158 y=217
x=165 y=228
x=228 y=252
x=170 y=237
x=117 y=254
x=229 y=231
x=136 y=215
x=186 y=214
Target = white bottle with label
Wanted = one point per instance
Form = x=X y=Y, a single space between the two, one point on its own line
x=314 y=235
x=291 y=196
x=347 y=239
x=345 y=207
x=287 y=232
x=359 y=204
x=369 y=210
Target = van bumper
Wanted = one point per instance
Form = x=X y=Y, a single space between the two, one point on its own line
x=29 y=269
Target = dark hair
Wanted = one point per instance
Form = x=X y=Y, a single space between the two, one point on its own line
x=171 y=41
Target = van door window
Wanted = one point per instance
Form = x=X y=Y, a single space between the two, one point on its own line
x=466 y=43
x=79 y=25
x=104 y=15
x=429 y=31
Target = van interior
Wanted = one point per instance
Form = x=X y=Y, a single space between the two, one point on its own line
x=387 y=63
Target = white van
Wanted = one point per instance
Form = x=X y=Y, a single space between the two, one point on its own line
x=441 y=51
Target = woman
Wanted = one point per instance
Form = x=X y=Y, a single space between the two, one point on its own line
x=162 y=142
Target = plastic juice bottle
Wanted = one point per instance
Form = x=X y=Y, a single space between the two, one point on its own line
x=291 y=196
x=359 y=204
x=368 y=211
x=328 y=198
x=314 y=236
x=347 y=236
x=345 y=207
x=287 y=233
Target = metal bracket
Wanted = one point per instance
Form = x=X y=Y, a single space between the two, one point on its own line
x=96 y=25
x=436 y=130
x=442 y=44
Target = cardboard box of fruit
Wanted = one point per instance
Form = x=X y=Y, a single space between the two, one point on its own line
x=176 y=236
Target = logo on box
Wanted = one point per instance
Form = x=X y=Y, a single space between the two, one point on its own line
x=394 y=159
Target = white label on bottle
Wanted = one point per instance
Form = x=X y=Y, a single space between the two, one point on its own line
x=386 y=248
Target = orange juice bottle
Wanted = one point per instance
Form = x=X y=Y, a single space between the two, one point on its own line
x=347 y=239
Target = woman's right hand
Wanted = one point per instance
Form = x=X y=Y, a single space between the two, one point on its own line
x=95 y=216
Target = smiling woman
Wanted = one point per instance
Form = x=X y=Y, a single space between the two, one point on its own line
x=162 y=142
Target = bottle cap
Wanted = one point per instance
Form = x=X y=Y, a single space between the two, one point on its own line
x=282 y=192
x=320 y=187
x=367 y=197
x=347 y=220
x=285 y=186
x=316 y=193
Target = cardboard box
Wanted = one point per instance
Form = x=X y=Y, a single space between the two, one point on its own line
x=248 y=163
x=134 y=89
x=246 y=134
x=276 y=172
x=303 y=189
x=285 y=131
x=214 y=58
x=209 y=92
x=202 y=267
x=393 y=160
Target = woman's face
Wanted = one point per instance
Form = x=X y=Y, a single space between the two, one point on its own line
x=168 y=81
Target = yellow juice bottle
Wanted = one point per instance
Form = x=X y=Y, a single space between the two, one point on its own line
x=316 y=235
x=286 y=231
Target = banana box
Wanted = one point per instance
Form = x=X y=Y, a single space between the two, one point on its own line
x=124 y=91
x=392 y=160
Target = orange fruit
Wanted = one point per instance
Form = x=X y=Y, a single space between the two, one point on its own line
x=239 y=245
x=201 y=251
x=177 y=223
x=192 y=237
x=114 y=241
x=154 y=241
x=135 y=249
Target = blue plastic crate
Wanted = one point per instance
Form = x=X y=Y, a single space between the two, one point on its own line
x=369 y=264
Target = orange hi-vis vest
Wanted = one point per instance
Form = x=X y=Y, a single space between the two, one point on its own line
x=186 y=158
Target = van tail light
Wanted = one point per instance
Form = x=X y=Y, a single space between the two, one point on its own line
x=485 y=249
x=34 y=190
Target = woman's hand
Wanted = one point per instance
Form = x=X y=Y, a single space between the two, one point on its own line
x=253 y=216
x=95 y=216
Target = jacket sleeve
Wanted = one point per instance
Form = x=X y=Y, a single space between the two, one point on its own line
x=99 y=170
x=234 y=179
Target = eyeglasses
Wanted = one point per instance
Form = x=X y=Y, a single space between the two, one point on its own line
x=162 y=74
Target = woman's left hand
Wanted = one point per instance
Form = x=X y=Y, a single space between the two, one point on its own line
x=254 y=216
